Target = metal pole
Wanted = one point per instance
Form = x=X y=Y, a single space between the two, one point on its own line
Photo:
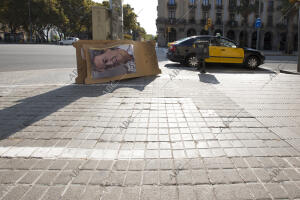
x=298 y=66
x=258 y=29
x=30 y=24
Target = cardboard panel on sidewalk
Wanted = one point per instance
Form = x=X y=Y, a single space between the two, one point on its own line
x=105 y=61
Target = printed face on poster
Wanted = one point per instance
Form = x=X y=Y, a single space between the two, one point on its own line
x=113 y=61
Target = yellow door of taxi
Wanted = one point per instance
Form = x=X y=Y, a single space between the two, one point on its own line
x=230 y=52
x=224 y=51
x=214 y=54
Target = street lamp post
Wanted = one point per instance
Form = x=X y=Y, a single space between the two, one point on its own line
x=258 y=29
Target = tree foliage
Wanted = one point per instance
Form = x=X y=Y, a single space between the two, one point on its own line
x=68 y=17
x=131 y=25
x=289 y=11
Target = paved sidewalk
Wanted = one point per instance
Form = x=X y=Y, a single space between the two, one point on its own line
x=181 y=135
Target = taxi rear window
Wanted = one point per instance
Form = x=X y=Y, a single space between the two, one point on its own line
x=191 y=41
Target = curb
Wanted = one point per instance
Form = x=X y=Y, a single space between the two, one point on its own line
x=289 y=72
x=279 y=55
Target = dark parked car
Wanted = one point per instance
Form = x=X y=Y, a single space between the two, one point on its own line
x=221 y=50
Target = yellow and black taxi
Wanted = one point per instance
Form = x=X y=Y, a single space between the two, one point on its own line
x=221 y=50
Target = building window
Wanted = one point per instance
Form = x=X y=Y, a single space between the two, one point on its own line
x=219 y=2
x=172 y=2
x=192 y=2
x=270 y=5
x=219 y=18
x=205 y=2
x=172 y=14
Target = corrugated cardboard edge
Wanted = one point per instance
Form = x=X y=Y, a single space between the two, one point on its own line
x=145 y=58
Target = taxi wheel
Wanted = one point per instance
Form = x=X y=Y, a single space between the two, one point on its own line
x=252 y=62
x=192 y=61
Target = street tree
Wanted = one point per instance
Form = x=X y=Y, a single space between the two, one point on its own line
x=13 y=14
x=129 y=18
x=45 y=15
x=289 y=12
x=245 y=9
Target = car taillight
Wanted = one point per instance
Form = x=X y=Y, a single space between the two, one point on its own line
x=172 y=48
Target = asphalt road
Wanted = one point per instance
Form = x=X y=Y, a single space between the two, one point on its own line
x=35 y=57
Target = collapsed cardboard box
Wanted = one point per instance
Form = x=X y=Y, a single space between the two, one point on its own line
x=111 y=60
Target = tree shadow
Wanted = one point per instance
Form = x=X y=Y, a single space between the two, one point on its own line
x=180 y=66
x=30 y=110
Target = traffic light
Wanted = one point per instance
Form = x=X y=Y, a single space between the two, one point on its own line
x=169 y=29
x=206 y=27
x=209 y=22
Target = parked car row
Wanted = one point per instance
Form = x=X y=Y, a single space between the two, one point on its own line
x=68 y=41
x=221 y=50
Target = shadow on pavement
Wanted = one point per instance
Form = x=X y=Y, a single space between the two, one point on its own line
x=180 y=66
x=208 y=78
x=223 y=68
x=30 y=110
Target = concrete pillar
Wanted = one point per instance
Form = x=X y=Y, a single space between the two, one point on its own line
x=101 y=23
x=161 y=40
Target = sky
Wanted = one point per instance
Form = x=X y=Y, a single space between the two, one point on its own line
x=146 y=11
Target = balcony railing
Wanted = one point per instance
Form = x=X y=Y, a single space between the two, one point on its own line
x=192 y=6
x=206 y=7
x=219 y=7
x=163 y=20
x=172 y=5
x=181 y=21
x=232 y=23
x=172 y=20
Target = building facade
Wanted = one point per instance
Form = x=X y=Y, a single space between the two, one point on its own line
x=182 y=18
